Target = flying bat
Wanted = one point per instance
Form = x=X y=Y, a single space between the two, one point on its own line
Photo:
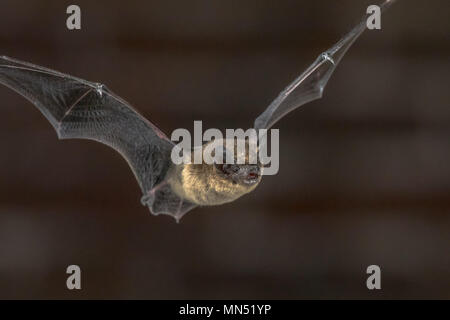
x=77 y=108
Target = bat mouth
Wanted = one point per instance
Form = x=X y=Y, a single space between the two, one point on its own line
x=251 y=178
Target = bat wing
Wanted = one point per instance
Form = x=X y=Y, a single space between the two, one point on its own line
x=80 y=109
x=311 y=83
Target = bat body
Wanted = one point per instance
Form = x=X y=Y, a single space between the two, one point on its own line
x=77 y=108
x=214 y=184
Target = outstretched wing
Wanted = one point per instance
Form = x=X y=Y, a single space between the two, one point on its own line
x=80 y=109
x=311 y=83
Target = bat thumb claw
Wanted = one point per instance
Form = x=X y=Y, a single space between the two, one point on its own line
x=145 y=199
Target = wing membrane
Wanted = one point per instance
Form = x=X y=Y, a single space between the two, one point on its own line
x=310 y=84
x=80 y=109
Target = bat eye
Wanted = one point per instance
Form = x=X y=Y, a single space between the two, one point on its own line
x=228 y=168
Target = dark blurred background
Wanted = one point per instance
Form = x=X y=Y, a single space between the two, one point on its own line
x=364 y=173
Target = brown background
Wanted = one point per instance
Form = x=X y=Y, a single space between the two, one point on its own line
x=364 y=174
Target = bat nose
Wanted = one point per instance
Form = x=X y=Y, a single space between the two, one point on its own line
x=254 y=169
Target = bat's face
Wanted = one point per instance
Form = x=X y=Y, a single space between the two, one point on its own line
x=219 y=182
x=243 y=174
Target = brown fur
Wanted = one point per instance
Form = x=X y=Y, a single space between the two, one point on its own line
x=205 y=185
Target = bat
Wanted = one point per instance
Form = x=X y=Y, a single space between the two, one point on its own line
x=79 y=109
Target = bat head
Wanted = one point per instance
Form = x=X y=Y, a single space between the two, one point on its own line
x=244 y=174
x=219 y=181
x=241 y=171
